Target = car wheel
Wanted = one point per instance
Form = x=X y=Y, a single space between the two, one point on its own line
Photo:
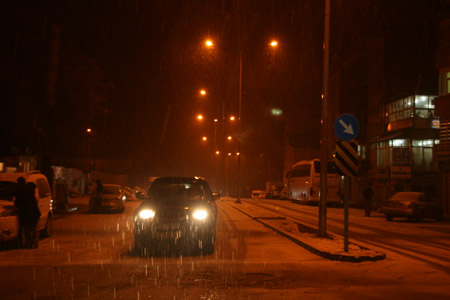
x=389 y=218
x=47 y=231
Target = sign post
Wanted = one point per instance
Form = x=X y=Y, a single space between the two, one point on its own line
x=346 y=128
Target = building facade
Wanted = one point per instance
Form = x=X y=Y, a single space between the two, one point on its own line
x=442 y=104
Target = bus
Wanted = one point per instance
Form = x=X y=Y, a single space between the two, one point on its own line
x=303 y=183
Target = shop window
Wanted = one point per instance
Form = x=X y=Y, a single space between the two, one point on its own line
x=422 y=154
x=382 y=154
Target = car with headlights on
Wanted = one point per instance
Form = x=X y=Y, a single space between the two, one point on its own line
x=112 y=199
x=412 y=205
x=178 y=215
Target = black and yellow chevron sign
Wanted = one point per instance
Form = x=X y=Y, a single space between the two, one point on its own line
x=347 y=158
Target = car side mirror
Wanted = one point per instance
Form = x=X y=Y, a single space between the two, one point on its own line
x=216 y=196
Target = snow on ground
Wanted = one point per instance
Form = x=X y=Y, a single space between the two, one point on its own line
x=331 y=246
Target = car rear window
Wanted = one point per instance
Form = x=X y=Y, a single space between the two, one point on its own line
x=111 y=190
x=7 y=190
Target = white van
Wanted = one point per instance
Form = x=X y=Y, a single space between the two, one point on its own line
x=9 y=225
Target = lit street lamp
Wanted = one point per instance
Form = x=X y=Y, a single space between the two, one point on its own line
x=209 y=44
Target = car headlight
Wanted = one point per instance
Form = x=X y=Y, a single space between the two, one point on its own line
x=146 y=214
x=200 y=214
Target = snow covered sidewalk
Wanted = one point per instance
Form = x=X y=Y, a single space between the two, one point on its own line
x=330 y=247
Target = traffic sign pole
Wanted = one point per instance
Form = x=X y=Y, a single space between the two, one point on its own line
x=346 y=201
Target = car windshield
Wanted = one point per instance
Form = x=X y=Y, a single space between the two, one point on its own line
x=7 y=190
x=179 y=192
x=111 y=189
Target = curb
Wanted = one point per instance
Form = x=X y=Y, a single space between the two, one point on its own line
x=324 y=254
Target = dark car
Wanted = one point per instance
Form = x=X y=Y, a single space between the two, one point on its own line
x=412 y=205
x=112 y=199
x=177 y=215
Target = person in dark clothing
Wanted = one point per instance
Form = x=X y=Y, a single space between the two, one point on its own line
x=19 y=202
x=28 y=213
x=96 y=197
x=99 y=190
x=368 y=194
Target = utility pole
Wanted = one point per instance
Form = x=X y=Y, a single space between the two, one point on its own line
x=324 y=130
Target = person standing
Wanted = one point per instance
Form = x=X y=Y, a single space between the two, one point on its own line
x=368 y=195
x=19 y=203
x=28 y=213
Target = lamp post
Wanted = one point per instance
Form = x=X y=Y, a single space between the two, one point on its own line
x=210 y=44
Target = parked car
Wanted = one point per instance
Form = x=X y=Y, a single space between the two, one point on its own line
x=130 y=193
x=112 y=199
x=258 y=194
x=9 y=226
x=178 y=214
x=411 y=205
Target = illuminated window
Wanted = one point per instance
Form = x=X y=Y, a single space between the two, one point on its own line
x=382 y=154
x=422 y=151
x=444 y=83
x=419 y=106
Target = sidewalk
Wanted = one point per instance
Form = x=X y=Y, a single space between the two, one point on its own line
x=77 y=204
x=330 y=247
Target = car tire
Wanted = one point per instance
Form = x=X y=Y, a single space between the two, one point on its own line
x=389 y=218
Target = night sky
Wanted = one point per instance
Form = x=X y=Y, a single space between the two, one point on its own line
x=132 y=71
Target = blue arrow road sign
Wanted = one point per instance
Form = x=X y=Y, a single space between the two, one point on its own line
x=346 y=127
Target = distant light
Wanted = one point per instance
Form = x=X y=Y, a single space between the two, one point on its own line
x=229 y=154
x=274 y=43
x=89 y=130
x=204 y=138
x=216 y=120
x=217 y=152
x=238 y=153
x=232 y=118
x=277 y=111
x=200 y=117
x=203 y=92
x=229 y=138
x=209 y=43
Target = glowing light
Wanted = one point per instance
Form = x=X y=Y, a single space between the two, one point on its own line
x=200 y=117
x=203 y=92
x=229 y=138
x=216 y=120
x=209 y=43
x=232 y=118
x=274 y=43
x=89 y=130
x=204 y=138
x=276 y=111
x=217 y=152
x=229 y=154
x=146 y=214
x=200 y=214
